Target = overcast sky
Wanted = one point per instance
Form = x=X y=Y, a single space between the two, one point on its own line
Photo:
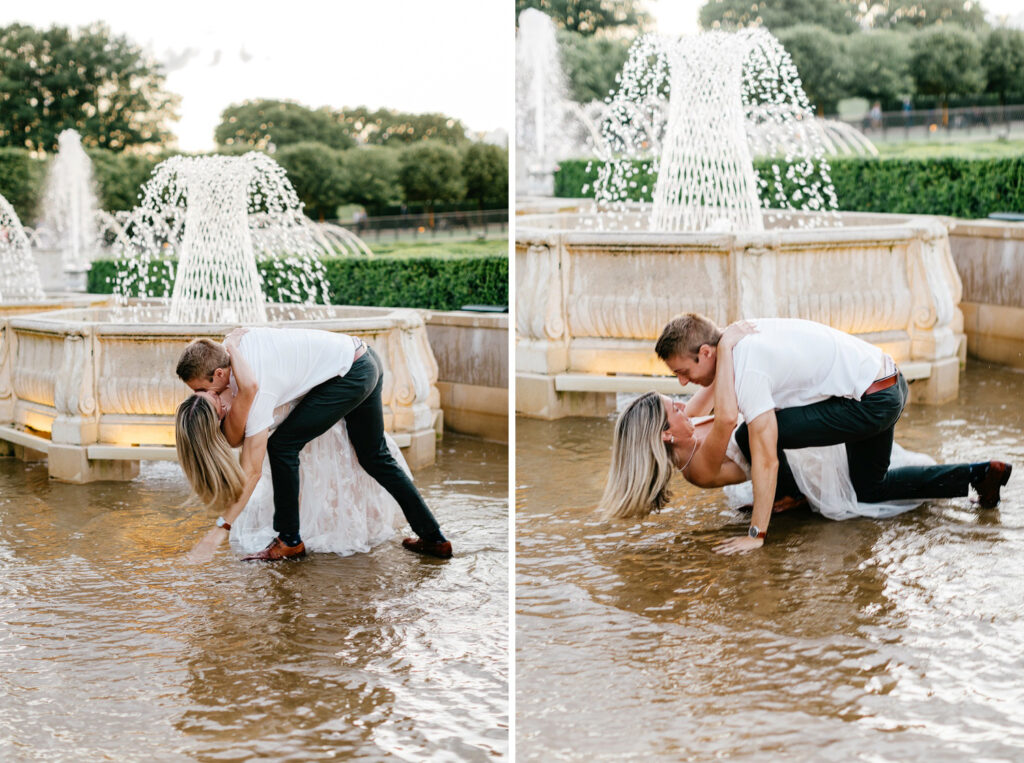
x=449 y=56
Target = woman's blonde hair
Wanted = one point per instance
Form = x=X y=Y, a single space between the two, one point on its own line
x=206 y=458
x=641 y=463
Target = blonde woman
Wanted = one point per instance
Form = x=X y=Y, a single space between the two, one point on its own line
x=655 y=436
x=208 y=425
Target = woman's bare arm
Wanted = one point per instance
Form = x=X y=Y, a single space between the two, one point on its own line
x=706 y=465
x=701 y=401
x=253 y=450
x=233 y=425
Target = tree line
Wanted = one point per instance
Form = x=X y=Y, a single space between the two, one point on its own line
x=929 y=52
x=105 y=86
x=384 y=180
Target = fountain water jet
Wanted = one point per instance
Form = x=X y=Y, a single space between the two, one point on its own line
x=541 y=103
x=68 y=219
x=19 y=277
x=221 y=215
x=708 y=104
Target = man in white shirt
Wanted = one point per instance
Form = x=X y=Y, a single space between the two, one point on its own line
x=336 y=376
x=802 y=384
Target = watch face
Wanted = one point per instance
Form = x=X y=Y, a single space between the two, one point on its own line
x=753 y=532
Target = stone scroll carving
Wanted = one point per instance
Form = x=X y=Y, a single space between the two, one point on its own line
x=39 y=360
x=936 y=328
x=539 y=284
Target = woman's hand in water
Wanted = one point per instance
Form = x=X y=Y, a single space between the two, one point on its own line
x=742 y=544
x=734 y=332
x=204 y=550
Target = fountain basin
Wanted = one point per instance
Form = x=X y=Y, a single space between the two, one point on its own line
x=97 y=392
x=471 y=350
x=591 y=303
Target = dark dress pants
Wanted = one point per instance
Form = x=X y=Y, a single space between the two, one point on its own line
x=866 y=428
x=356 y=398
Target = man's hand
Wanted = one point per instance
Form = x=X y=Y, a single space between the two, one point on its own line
x=205 y=549
x=734 y=332
x=741 y=545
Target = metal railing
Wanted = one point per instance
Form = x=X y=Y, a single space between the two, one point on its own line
x=939 y=123
x=469 y=224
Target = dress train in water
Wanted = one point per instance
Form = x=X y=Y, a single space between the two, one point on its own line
x=342 y=509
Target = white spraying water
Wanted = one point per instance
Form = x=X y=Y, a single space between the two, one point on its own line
x=222 y=217
x=695 y=111
x=19 y=277
x=70 y=205
x=541 y=101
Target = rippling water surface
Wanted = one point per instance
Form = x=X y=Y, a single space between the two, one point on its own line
x=111 y=648
x=875 y=640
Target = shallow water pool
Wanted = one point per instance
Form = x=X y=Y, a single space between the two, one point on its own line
x=111 y=648
x=877 y=640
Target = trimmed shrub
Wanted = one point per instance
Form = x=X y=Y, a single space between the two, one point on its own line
x=969 y=188
x=431 y=283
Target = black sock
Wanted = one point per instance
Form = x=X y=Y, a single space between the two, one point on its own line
x=978 y=471
x=290 y=539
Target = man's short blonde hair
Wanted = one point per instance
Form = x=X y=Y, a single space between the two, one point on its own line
x=685 y=334
x=201 y=358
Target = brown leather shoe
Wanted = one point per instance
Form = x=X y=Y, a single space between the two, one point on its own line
x=997 y=475
x=786 y=503
x=442 y=550
x=278 y=550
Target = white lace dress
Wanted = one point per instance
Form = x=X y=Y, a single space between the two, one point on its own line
x=342 y=509
x=823 y=476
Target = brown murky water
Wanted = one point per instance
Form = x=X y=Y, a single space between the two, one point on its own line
x=112 y=649
x=875 y=640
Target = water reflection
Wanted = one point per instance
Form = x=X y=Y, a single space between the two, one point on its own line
x=111 y=647
x=900 y=639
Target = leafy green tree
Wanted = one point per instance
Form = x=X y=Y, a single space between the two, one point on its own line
x=485 y=172
x=430 y=172
x=120 y=176
x=591 y=64
x=839 y=16
x=946 y=59
x=821 y=59
x=260 y=123
x=388 y=127
x=919 y=14
x=591 y=16
x=1003 y=53
x=316 y=172
x=880 y=65
x=370 y=177
x=91 y=80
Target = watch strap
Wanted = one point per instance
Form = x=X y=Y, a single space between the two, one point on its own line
x=222 y=523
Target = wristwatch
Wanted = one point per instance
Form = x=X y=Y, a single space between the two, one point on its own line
x=756 y=532
x=222 y=523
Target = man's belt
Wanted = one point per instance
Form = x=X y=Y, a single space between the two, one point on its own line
x=879 y=384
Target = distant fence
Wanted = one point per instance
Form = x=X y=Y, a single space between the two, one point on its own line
x=918 y=124
x=484 y=222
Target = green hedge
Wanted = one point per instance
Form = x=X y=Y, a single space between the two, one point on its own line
x=433 y=283
x=969 y=188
